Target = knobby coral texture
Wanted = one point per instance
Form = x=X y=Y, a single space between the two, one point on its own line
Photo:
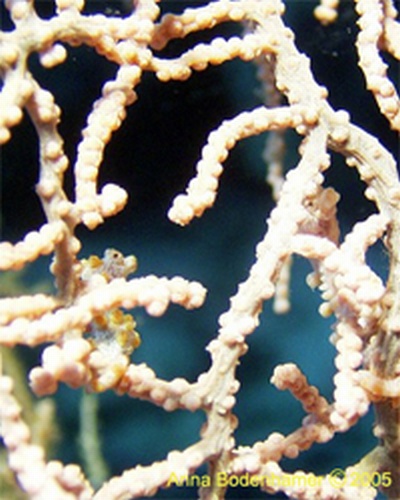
x=87 y=334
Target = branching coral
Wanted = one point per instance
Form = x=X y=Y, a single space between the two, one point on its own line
x=90 y=336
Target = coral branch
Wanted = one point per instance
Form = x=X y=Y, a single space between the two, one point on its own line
x=86 y=331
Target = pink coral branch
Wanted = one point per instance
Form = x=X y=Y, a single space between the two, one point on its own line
x=90 y=336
